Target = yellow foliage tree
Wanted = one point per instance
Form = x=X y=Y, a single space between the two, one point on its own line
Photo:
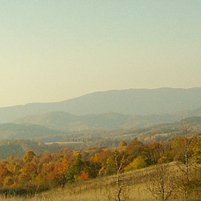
x=122 y=144
x=137 y=163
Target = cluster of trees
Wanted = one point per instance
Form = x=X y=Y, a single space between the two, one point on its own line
x=46 y=171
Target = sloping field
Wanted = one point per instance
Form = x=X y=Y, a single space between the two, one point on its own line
x=138 y=185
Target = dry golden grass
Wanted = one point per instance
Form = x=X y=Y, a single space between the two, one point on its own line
x=100 y=189
x=135 y=188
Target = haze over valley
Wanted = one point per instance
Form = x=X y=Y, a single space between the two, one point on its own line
x=104 y=118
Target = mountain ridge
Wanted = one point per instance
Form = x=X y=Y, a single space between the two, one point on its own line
x=128 y=101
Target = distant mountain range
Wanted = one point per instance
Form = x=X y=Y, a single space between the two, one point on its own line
x=129 y=104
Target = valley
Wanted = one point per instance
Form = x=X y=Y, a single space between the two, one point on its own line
x=58 y=151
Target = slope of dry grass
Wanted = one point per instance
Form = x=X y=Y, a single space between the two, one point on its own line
x=135 y=187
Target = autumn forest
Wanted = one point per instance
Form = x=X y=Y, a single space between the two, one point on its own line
x=33 y=173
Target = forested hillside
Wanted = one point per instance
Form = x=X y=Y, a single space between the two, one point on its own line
x=36 y=173
x=24 y=131
x=18 y=147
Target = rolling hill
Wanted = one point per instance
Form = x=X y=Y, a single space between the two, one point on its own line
x=18 y=147
x=25 y=131
x=16 y=139
x=64 y=121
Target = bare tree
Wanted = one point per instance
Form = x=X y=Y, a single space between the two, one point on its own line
x=117 y=189
x=119 y=162
x=184 y=160
x=161 y=182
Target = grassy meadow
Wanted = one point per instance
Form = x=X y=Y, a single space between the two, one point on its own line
x=100 y=189
x=139 y=185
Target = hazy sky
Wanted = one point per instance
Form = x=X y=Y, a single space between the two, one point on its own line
x=52 y=50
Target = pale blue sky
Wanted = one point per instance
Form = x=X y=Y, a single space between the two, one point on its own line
x=52 y=50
